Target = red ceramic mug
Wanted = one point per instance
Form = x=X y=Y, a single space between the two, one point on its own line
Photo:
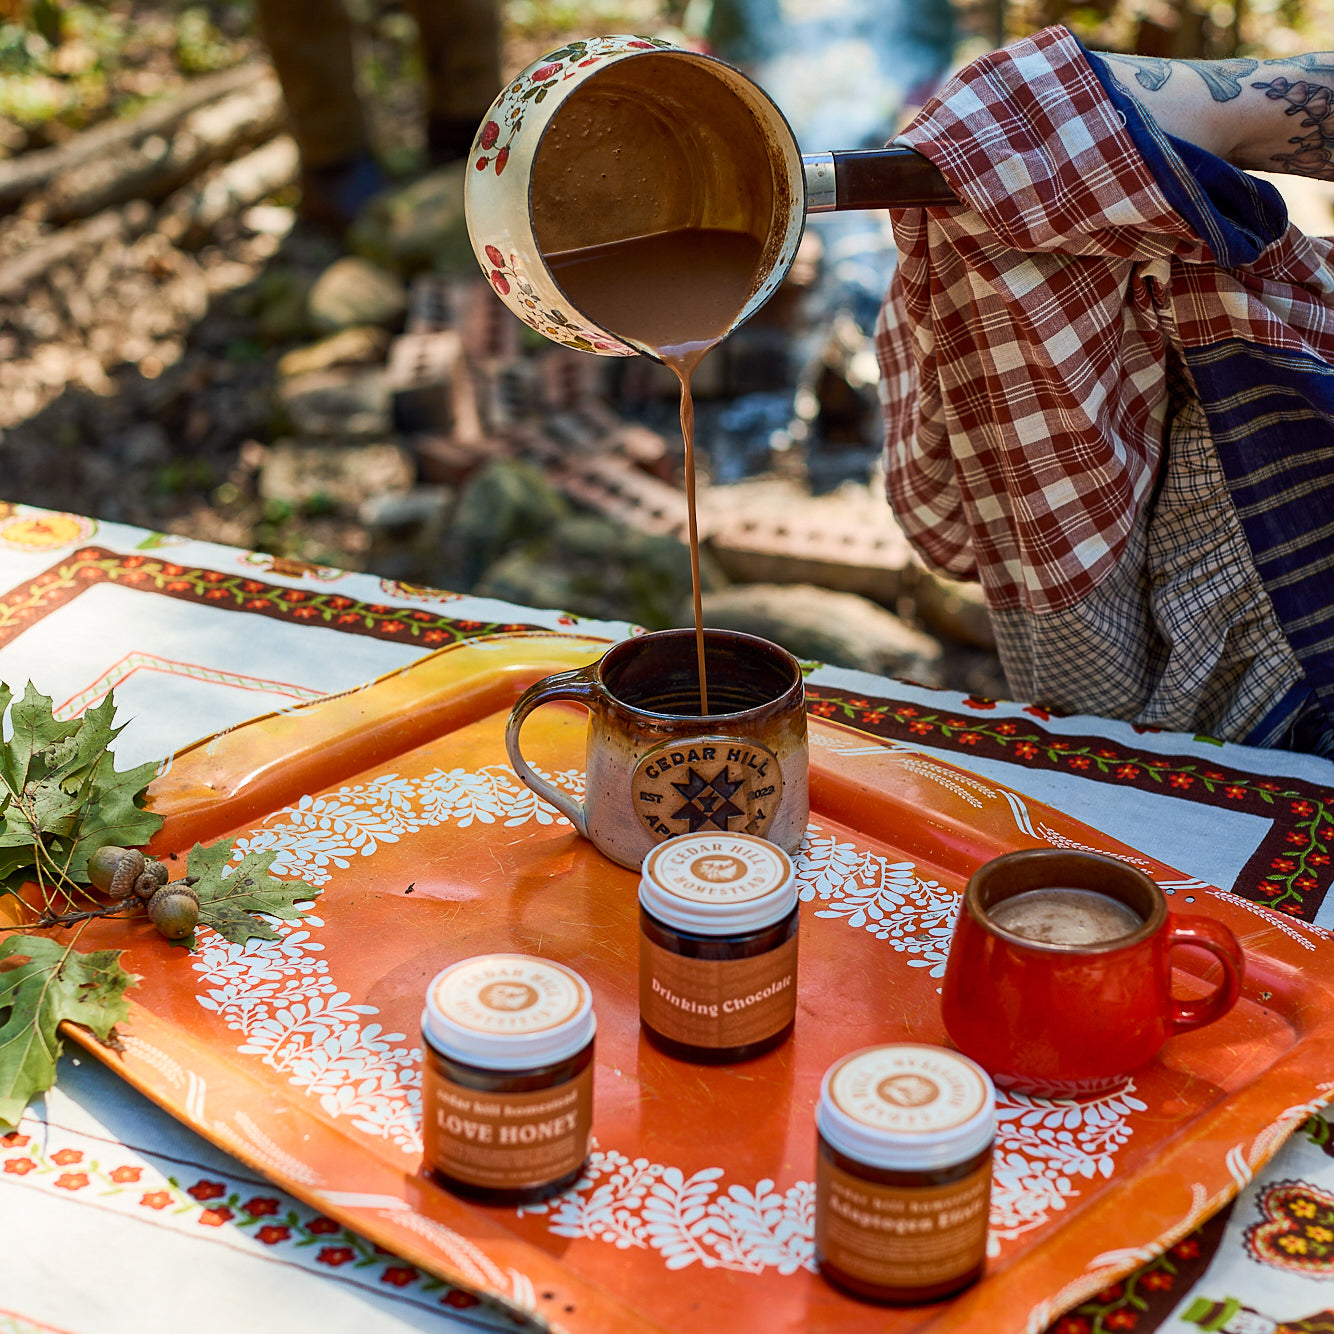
x=1059 y=975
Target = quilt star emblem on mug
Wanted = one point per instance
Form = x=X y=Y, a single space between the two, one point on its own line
x=707 y=784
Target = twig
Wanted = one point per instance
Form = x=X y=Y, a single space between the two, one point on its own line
x=49 y=919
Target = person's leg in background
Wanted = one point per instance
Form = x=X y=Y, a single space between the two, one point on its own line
x=460 y=46
x=310 y=44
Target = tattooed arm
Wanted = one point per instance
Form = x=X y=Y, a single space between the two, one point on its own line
x=1271 y=115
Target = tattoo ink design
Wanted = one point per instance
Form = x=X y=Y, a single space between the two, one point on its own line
x=1314 y=103
x=1310 y=62
x=1151 y=72
x=1221 y=77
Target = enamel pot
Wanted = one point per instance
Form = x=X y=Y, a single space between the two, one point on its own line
x=619 y=137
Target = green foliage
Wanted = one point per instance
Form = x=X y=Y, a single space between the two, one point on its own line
x=61 y=796
x=200 y=46
x=43 y=985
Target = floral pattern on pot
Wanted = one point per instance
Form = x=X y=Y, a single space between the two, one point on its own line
x=281 y=997
x=496 y=204
x=524 y=299
x=530 y=88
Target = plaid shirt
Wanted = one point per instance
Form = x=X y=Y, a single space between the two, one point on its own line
x=1025 y=349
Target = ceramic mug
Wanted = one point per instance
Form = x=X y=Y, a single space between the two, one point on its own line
x=1073 y=1019
x=656 y=767
x=615 y=137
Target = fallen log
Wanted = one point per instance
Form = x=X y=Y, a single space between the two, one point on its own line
x=193 y=211
x=19 y=273
x=28 y=172
x=158 y=164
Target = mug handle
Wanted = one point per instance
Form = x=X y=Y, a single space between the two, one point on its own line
x=578 y=685
x=1206 y=934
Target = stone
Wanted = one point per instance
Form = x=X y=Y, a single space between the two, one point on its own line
x=405 y=529
x=319 y=478
x=771 y=531
x=431 y=387
x=418 y=227
x=819 y=625
x=597 y=568
x=402 y=512
x=353 y=291
x=346 y=402
x=358 y=346
x=509 y=502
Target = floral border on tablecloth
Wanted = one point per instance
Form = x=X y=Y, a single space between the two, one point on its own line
x=61 y=583
x=1291 y=870
x=115 y=1177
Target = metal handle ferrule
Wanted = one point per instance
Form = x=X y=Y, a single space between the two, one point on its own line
x=821 y=184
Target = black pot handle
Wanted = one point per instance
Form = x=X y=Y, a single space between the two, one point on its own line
x=891 y=177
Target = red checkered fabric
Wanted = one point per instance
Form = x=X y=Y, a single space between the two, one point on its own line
x=1023 y=344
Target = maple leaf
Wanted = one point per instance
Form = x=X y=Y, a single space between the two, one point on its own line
x=229 y=895
x=44 y=985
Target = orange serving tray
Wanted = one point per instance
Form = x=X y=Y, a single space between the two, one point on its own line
x=301 y=1057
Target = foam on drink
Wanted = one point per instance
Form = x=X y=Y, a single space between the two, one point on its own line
x=1058 y=915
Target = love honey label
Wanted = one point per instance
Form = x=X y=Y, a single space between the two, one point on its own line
x=506 y=1141
x=901 y=1237
x=717 y=1003
x=707 y=784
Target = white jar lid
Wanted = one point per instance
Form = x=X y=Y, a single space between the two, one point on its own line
x=508 y=1012
x=907 y=1107
x=718 y=884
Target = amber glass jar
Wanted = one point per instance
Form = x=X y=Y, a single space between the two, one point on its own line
x=717 y=947
x=903 y=1173
x=507 y=1078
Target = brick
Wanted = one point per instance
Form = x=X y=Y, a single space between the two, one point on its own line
x=432 y=304
x=432 y=386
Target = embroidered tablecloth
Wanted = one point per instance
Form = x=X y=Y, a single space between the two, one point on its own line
x=195 y=638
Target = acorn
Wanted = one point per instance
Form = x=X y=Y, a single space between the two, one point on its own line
x=174 y=910
x=114 y=870
x=151 y=879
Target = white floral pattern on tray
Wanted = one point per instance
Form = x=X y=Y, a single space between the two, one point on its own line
x=636 y=1203
x=280 y=997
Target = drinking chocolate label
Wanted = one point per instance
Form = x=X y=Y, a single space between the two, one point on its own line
x=717 y=1003
x=707 y=784
x=506 y=1141
x=901 y=1237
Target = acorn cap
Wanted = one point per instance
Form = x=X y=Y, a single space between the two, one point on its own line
x=128 y=869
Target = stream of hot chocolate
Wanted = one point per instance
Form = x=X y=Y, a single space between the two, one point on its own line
x=676 y=293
